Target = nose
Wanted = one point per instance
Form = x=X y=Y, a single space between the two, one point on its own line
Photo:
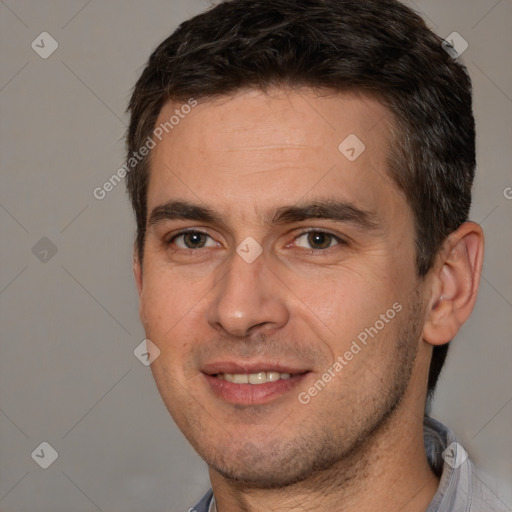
x=250 y=297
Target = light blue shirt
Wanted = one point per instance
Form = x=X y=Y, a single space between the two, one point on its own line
x=461 y=489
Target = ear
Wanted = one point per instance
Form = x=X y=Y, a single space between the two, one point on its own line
x=454 y=283
x=137 y=269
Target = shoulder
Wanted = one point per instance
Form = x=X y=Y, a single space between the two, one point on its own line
x=462 y=487
x=484 y=494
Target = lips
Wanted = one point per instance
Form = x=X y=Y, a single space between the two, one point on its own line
x=251 y=383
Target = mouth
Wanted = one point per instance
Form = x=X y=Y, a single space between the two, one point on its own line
x=254 y=378
x=252 y=385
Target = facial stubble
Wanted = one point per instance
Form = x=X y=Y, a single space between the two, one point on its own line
x=321 y=451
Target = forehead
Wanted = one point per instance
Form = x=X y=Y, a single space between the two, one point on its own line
x=259 y=149
x=252 y=119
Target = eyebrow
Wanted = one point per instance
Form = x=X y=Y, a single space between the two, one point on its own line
x=329 y=209
x=332 y=209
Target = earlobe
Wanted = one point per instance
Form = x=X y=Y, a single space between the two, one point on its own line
x=454 y=283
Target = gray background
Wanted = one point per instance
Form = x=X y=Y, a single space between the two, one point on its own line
x=70 y=324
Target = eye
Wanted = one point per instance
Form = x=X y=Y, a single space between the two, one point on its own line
x=192 y=240
x=317 y=240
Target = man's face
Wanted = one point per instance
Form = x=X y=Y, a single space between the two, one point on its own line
x=337 y=253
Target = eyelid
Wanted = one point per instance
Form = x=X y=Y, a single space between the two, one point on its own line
x=188 y=230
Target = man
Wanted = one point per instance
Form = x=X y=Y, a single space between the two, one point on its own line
x=301 y=177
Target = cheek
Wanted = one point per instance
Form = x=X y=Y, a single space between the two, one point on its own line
x=174 y=305
x=344 y=302
x=165 y=303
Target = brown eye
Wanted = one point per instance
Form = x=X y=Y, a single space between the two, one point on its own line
x=317 y=240
x=192 y=240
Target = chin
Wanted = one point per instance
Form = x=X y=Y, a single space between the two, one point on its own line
x=270 y=465
x=263 y=477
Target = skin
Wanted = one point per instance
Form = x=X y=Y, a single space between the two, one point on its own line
x=358 y=444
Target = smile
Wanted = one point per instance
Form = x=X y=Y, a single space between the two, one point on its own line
x=255 y=388
x=253 y=378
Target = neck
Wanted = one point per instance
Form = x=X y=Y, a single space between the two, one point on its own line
x=388 y=472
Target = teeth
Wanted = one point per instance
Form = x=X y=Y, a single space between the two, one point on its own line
x=273 y=376
x=258 y=378
x=253 y=378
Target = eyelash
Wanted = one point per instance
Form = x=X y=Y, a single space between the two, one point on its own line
x=339 y=240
